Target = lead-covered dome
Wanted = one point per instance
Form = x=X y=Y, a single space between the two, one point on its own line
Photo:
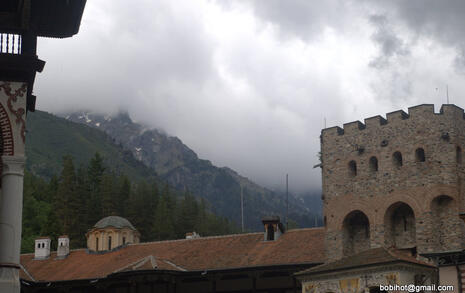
x=114 y=221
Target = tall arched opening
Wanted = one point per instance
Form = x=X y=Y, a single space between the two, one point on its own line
x=400 y=226
x=356 y=233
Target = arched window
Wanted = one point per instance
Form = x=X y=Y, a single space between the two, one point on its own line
x=96 y=244
x=352 y=168
x=397 y=159
x=109 y=242
x=124 y=240
x=420 y=155
x=373 y=164
x=458 y=155
x=38 y=245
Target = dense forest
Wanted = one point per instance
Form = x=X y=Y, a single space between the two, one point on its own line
x=74 y=201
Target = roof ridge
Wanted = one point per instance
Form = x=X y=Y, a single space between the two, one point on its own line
x=194 y=239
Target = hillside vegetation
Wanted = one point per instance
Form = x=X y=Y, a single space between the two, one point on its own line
x=74 y=201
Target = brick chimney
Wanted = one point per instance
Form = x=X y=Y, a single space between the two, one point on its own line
x=63 y=246
x=42 y=248
x=273 y=228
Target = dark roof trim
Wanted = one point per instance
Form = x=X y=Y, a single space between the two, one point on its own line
x=305 y=273
x=172 y=273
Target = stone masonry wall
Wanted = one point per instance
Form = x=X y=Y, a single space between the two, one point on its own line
x=416 y=183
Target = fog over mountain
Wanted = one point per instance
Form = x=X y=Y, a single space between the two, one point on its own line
x=250 y=84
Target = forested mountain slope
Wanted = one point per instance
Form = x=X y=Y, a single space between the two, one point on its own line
x=180 y=166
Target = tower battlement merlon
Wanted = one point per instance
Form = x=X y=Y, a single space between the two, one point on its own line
x=375 y=121
x=332 y=131
x=353 y=127
x=396 y=116
x=452 y=110
x=425 y=110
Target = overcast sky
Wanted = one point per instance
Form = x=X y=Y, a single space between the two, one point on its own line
x=249 y=84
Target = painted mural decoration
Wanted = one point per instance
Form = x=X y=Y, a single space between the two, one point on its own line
x=19 y=112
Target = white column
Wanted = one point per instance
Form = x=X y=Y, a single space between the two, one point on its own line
x=11 y=207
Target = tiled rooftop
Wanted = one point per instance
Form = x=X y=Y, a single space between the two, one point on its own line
x=299 y=246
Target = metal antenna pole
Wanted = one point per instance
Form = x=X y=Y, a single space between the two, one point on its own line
x=287 y=201
x=242 y=211
x=447 y=92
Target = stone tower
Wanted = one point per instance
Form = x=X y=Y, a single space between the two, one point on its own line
x=395 y=182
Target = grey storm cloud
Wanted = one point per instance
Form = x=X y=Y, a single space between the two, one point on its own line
x=390 y=44
x=304 y=19
x=250 y=84
x=440 y=20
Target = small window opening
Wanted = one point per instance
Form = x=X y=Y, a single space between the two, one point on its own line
x=109 y=242
x=270 y=232
x=420 y=155
x=61 y=244
x=373 y=164
x=96 y=244
x=124 y=240
x=397 y=159
x=458 y=155
x=38 y=245
x=352 y=168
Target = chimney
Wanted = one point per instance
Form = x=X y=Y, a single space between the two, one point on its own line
x=273 y=228
x=63 y=246
x=42 y=248
x=192 y=235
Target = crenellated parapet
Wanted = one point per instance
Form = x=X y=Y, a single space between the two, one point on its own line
x=420 y=112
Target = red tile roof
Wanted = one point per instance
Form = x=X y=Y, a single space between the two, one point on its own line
x=297 y=246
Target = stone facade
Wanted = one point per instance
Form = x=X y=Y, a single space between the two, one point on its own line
x=395 y=182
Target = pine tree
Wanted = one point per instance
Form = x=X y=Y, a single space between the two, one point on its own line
x=188 y=214
x=83 y=194
x=122 y=195
x=67 y=202
x=94 y=174
x=107 y=193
